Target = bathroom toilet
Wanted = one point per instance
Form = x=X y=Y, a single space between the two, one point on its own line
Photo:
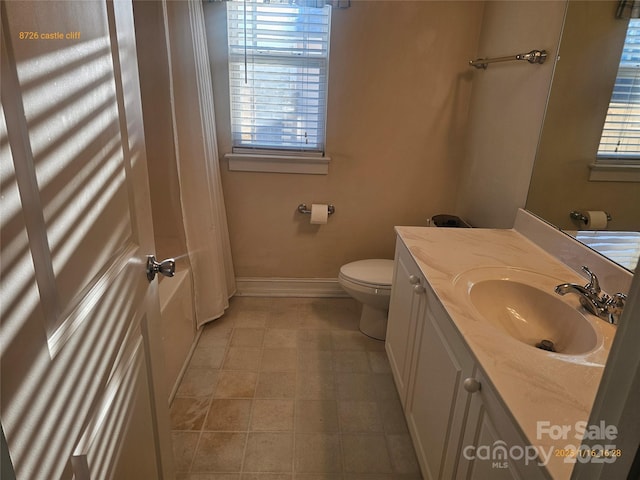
x=369 y=282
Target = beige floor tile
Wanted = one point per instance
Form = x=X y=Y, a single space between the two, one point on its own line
x=403 y=457
x=266 y=476
x=188 y=413
x=338 y=398
x=392 y=416
x=373 y=345
x=343 y=314
x=315 y=340
x=198 y=382
x=219 y=452
x=255 y=320
x=284 y=320
x=385 y=387
x=207 y=357
x=378 y=362
x=359 y=417
x=285 y=313
x=249 y=311
x=350 y=361
x=242 y=358
x=279 y=360
x=228 y=415
x=315 y=386
x=272 y=415
x=355 y=386
x=184 y=446
x=386 y=476
x=315 y=360
x=318 y=453
x=313 y=316
x=215 y=335
x=281 y=338
x=345 y=340
x=247 y=337
x=365 y=454
x=316 y=416
x=276 y=385
x=236 y=384
x=214 y=476
x=269 y=452
x=318 y=476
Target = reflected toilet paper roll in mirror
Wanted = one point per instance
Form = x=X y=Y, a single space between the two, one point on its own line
x=596 y=220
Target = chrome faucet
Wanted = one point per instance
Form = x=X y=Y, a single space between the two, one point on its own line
x=601 y=305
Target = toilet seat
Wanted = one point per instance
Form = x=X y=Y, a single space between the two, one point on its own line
x=375 y=273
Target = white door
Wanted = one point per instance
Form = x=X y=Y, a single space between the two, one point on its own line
x=80 y=394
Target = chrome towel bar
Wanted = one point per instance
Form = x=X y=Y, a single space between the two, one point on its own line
x=534 y=56
x=302 y=208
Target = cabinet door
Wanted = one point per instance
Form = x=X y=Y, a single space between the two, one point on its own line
x=403 y=312
x=490 y=428
x=437 y=402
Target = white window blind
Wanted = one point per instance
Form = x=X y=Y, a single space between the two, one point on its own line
x=278 y=70
x=621 y=133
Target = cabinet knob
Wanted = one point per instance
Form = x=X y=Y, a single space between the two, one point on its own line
x=471 y=385
x=419 y=289
x=414 y=279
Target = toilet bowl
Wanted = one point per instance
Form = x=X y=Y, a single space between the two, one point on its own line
x=369 y=282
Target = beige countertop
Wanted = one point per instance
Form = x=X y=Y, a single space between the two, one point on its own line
x=536 y=386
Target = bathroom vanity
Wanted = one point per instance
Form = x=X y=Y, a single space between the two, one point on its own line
x=480 y=400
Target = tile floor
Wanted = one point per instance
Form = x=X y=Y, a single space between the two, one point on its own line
x=288 y=388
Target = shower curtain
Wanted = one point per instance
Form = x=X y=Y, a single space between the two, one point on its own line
x=203 y=209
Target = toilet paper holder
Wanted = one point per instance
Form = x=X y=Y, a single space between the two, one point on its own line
x=581 y=217
x=302 y=208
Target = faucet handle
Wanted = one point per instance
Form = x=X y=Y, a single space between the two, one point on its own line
x=593 y=285
x=614 y=306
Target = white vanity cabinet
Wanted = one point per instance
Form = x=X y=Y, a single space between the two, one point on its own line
x=447 y=404
x=488 y=425
x=404 y=309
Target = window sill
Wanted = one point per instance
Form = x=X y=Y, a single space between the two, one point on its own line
x=614 y=172
x=247 y=162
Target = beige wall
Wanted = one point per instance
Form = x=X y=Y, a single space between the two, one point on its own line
x=582 y=85
x=157 y=114
x=507 y=109
x=398 y=98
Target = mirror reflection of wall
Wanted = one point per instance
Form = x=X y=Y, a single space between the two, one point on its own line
x=583 y=81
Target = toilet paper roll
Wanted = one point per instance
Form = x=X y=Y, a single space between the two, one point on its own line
x=596 y=220
x=319 y=213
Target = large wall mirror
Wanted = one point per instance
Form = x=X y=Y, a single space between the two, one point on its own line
x=585 y=73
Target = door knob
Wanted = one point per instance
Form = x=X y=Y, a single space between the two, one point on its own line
x=419 y=289
x=165 y=267
x=414 y=279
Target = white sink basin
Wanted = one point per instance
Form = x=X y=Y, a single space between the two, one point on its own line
x=522 y=305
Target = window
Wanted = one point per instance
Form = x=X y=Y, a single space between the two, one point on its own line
x=621 y=133
x=278 y=70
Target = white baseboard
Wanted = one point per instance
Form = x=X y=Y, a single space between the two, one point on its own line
x=288 y=287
